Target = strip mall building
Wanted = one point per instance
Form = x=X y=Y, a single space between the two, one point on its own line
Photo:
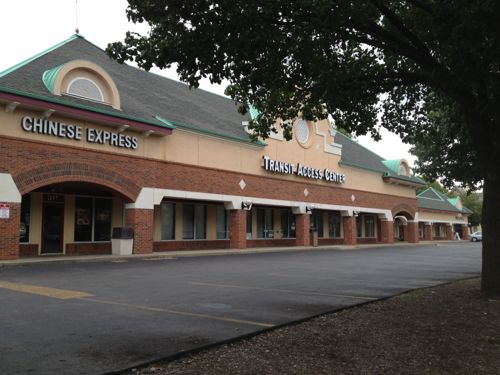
x=87 y=145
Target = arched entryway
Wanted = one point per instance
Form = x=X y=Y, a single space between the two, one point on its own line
x=72 y=217
x=405 y=228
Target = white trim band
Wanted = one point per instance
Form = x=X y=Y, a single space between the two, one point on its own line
x=9 y=193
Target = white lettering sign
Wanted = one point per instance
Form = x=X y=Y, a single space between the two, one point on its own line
x=302 y=171
x=74 y=132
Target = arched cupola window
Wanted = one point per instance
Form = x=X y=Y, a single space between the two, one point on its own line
x=82 y=79
x=85 y=88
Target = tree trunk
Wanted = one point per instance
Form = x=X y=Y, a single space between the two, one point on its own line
x=490 y=277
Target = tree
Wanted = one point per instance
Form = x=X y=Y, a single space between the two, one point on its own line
x=474 y=203
x=357 y=61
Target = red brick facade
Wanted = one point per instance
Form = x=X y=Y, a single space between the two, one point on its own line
x=127 y=174
x=428 y=232
x=190 y=245
x=141 y=221
x=449 y=232
x=9 y=230
x=412 y=229
x=349 y=223
x=465 y=232
x=238 y=236
x=386 y=231
x=38 y=164
x=302 y=228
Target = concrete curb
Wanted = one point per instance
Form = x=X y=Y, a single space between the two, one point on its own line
x=201 y=253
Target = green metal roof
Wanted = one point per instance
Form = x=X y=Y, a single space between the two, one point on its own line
x=49 y=77
x=393 y=165
x=33 y=58
x=433 y=199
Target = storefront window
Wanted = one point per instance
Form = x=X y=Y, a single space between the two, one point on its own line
x=24 y=231
x=317 y=223
x=265 y=223
x=92 y=219
x=369 y=221
x=334 y=225
x=359 y=227
x=287 y=223
x=249 y=224
x=102 y=222
x=83 y=219
x=167 y=219
x=194 y=219
x=222 y=223
x=421 y=230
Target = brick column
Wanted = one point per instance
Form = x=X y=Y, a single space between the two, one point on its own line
x=238 y=235
x=465 y=232
x=412 y=229
x=141 y=220
x=449 y=232
x=349 y=224
x=428 y=232
x=387 y=231
x=9 y=233
x=406 y=233
x=302 y=228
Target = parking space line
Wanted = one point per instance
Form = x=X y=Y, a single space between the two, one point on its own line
x=282 y=290
x=44 y=291
x=184 y=313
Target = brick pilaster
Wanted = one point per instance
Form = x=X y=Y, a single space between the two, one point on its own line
x=465 y=232
x=141 y=220
x=238 y=235
x=412 y=230
x=387 y=231
x=428 y=232
x=449 y=232
x=349 y=224
x=302 y=228
x=9 y=233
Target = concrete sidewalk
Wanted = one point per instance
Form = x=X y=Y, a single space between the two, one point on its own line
x=197 y=253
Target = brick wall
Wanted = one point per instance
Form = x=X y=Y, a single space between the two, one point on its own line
x=238 y=235
x=412 y=228
x=190 y=245
x=37 y=164
x=271 y=242
x=28 y=250
x=428 y=232
x=330 y=241
x=349 y=224
x=9 y=233
x=465 y=232
x=386 y=231
x=141 y=221
x=93 y=248
x=302 y=227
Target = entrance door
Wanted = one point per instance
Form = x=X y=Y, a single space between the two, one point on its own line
x=52 y=228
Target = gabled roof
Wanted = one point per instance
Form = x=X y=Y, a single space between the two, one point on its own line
x=434 y=200
x=356 y=155
x=159 y=101
x=144 y=96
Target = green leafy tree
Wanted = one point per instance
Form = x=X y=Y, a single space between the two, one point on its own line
x=357 y=61
x=473 y=202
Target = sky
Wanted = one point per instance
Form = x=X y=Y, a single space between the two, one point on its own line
x=31 y=26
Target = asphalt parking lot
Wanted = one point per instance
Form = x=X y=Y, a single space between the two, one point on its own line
x=97 y=317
